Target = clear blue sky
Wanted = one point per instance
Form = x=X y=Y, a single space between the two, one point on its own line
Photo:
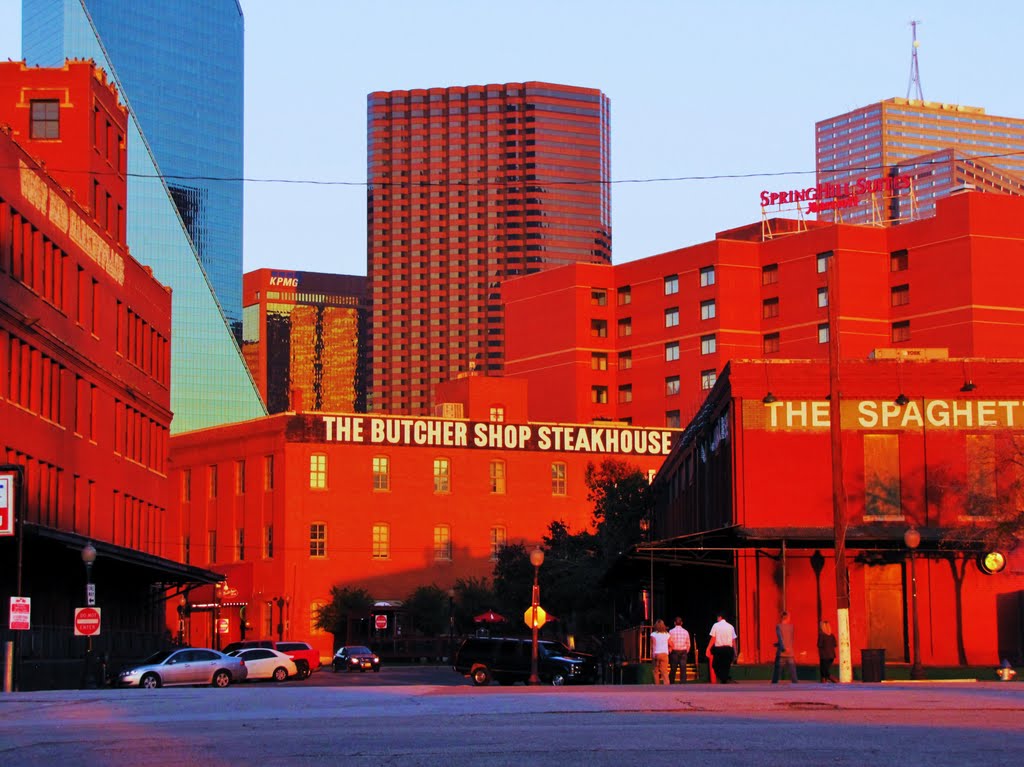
x=697 y=89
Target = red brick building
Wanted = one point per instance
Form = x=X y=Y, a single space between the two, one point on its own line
x=745 y=515
x=84 y=370
x=644 y=341
x=469 y=186
x=293 y=504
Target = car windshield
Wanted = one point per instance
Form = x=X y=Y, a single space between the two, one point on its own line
x=359 y=651
x=157 y=657
x=552 y=648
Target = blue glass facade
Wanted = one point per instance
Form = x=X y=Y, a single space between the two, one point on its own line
x=179 y=69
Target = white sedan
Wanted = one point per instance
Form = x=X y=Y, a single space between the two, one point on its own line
x=264 y=663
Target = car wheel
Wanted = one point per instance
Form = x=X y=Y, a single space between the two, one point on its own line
x=150 y=681
x=481 y=676
x=557 y=679
x=221 y=679
x=280 y=674
x=303 y=669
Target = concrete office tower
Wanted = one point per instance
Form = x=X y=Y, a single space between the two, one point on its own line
x=470 y=186
x=942 y=148
x=178 y=66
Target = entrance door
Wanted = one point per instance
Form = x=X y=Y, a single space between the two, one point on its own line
x=883 y=590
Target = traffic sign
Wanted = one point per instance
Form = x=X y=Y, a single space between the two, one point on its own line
x=90 y=594
x=539 y=621
x=20 y=614
x=7 y=496
x=87 y=621
x=223 y=626
x=380 y=621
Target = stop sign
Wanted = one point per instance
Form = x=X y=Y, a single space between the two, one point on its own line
x=380 y=621
x=87 y=621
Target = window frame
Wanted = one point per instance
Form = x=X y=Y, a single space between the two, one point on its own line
x=671 y=284
x=318 y=540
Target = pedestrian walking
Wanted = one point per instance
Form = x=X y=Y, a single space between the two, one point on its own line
x=826 y=651
x=659 y=652
x=678 y=651
x=722 y=649
x=785 y=636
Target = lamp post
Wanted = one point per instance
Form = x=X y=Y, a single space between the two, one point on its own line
x=536 y=559
x=280 y=618
x=88 y=557
x=451 y=625
x=912 y=539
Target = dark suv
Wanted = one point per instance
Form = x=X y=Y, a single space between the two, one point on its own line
x=507 y=661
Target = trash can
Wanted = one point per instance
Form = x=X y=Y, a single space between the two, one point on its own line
x=872 y=665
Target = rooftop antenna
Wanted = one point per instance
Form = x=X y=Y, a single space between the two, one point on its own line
x=915 y=73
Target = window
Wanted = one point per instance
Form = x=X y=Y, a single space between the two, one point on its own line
x=381 y=472
x=672 y=419
x=213 y=481
x=707 y=276
x=314 y=616
x=882 y=476
x=671 y=317
x=707 y=379
x=442 y=543
x=318 y=471
x=671 y=284
x=599 y=297
x=186 y=546
x=239 y=477
x=45 y=119
x=900 y=295
x=626 y=393
x=770 y=343
x=823 y=333
x=822 y=297
x=625 y=295
x=708 y=344
x=318 y=540
x=442 y=477
x=707 y=310
x=599 y=395
x=381 y=541
x=268 y=472
x=625 y=360
x=268 y=542
x=186 y=485
x=496 y=473
x=769 y=274
x=770 y=308
x=496 y=414
x=499 y=539
x=821 y=262
x=671 y=386
x=901 y=331
x=558 y=478
x=981 y=475
x=671 y=351
x=598 y=361
x=625 y=326
x=240 y=544
x=599 y=328
x=899 y=261
x=212 y=543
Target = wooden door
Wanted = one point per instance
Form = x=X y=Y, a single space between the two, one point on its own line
x=883 y=590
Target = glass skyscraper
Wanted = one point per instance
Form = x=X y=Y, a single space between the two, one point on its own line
x=179 y=68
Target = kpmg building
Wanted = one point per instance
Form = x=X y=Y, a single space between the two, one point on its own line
x=179 y=69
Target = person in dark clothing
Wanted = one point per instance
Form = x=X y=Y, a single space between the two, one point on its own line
x=784 y=652
x=826 y=651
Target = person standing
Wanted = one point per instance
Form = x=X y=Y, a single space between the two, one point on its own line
x=826 y=651
x=678 y=650
x=722 y=649
x=659 y=652
x=785 y=635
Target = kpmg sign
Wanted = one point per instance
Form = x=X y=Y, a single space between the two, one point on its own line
x=833 y=196
x=438 y=432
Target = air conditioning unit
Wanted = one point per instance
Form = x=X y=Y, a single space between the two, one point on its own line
x=449 y=410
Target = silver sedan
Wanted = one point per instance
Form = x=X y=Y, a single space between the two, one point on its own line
x=191 y=666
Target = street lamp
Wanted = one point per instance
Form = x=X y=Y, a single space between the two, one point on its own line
x=536 y=559
x=88 y=557
x=451 y=625
x=912 y=539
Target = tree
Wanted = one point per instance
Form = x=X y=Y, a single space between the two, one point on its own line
x=472 y=597
x=345 y=606
x=427 y=606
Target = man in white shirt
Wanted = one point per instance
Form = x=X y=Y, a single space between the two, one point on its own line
x=678 y=650
x=722 y=649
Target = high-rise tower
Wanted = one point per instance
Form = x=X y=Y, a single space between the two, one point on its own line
x=178 y=67
x=470 y=186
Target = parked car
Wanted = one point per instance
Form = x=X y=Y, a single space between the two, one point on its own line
x=190 y=666
x=355 y=657
x=507 y=661
x=307 y=660
x=265 y=663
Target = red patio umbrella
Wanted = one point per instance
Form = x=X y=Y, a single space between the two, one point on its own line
x=489 y=617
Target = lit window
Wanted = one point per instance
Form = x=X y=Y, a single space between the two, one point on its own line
x=823 y=333
x=771 y=343
x=822 y=261
x=318 y=540
x=599 y=395
x=822 y=297
x=442 y=543
x=318 y=471
x=626 y=326
x=672 y=351
x=497 y=477
x=558 y=479
x=381 y=541
x=671 y=317
x=626 y=393
x=671 y=386
x=901 y=331
x=708 y=345
x=770 y=308
x=598 y=361
x=499 y=539
x=671 y=284
x=599 y=328
x=599 y=297
x=625 y=360
x=769 y=274
x=45 y=119
x=442 y=477
x=268 y=472
x=707 y=276
x=381 y=472
x=899 y=261
x=314 y=616
x=625 y=295
x=707 y=310
x=900 y=295
x=497 y=414
x=707 y=379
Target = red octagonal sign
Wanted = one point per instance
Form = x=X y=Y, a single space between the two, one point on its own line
x=87 y=621
x=380 y=622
